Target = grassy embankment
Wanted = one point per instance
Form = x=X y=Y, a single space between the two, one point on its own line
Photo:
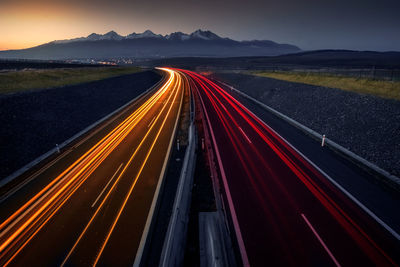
x=385 y=89
x=16 y=81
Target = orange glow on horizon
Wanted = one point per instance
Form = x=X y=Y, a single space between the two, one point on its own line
x=26 y=23
x=32 y=24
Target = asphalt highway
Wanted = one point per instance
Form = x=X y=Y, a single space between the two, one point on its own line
x=285 y=212
x=90 y=204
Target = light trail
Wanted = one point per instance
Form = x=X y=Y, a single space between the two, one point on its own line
x=239 y=117
x=136 y=178
x=23 y=224
x=116 y=182
x=354 y=230
x=84 y=157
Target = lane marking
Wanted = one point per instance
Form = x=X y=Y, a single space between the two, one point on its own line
x=320 y=240
x=104 y=189
x=151 y=122
x=240 y=128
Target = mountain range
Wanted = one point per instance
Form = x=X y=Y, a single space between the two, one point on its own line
x=150 y=45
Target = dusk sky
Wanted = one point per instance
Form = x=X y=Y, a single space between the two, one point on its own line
x=309 y=24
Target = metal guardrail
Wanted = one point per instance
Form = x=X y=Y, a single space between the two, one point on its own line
x=175 y=238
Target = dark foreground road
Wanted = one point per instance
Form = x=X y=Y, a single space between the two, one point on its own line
x=284 y=211
x=91 y=204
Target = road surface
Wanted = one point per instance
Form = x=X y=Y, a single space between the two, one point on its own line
x=90 y=204
x=284 y=211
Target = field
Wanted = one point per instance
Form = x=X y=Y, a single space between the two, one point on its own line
x=385 y=89
x=17 y=81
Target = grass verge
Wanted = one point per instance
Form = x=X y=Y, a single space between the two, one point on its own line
x=17 y=81
x=385 y=89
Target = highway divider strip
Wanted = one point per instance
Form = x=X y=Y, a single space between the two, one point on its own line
x=55 y=150
x=392 y=179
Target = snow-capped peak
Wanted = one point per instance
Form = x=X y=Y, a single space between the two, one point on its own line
x=112 y=35
x=94 y=37
x=205 y=35
x=145 y=34
x=177 y=36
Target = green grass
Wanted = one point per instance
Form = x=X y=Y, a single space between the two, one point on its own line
x=385 y=89
x=17 y=81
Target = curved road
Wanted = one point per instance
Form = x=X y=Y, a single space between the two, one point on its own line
x=284 y=211
x=92 y=203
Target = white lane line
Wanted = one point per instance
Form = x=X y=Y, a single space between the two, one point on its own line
x=245 y=135
x=151 y=122
x=320 y=240
x=104 y=189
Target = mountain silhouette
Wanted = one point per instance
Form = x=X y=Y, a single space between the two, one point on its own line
x=150 y=45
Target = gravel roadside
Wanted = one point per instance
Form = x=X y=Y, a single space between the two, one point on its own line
x=367 y=125
x=33 y=122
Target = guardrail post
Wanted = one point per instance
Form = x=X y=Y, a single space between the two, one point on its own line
x=323 y=140
x=58 y=148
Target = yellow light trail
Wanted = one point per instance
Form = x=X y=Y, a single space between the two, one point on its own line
x=176 y=88
x=150 y=101
x=63 y=186
x=135 y=180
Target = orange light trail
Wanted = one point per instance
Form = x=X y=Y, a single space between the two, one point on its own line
x=177 y=86
x=40 y=208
